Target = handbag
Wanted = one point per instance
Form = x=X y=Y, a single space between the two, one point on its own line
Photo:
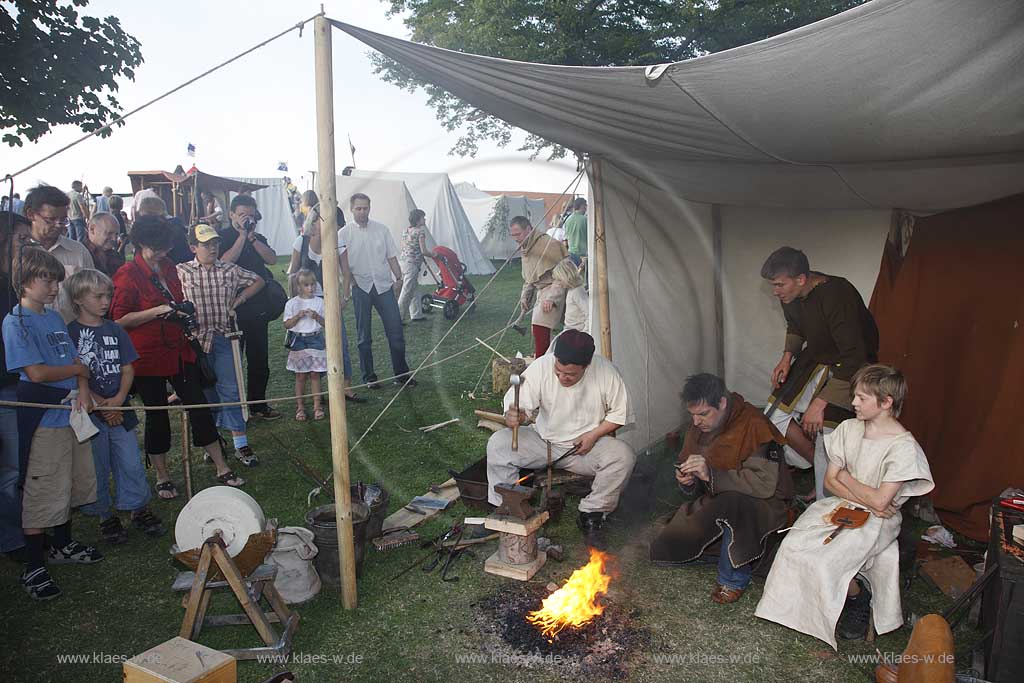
x=289 y=339
x=207 y=375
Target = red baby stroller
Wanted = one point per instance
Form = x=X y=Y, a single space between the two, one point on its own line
x=454 y=289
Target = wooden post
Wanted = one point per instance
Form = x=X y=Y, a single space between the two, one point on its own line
x=601 y=257
x=716 y=242
x=332 y=306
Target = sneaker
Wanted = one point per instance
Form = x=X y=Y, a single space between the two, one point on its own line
x=268 y=414
x=38 y=584
x=148 y=523
x=853 y=622
x=372 y=382
x=246 y=456
x=591 y=524
x=74 y=553
x=409 y=382
x=112 y=532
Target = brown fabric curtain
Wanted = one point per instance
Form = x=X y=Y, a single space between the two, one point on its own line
x=951 y=317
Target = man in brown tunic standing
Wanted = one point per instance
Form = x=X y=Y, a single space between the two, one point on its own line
x=731 y=462
x=540 y=255
x=830 y=334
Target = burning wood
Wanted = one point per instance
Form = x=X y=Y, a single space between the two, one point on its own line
x=576 y=603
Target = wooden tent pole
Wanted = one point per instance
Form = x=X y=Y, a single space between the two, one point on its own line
x=332 y=306
x=601 y=256
x=717 y=254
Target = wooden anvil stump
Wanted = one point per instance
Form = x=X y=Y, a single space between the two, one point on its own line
x=517 y=523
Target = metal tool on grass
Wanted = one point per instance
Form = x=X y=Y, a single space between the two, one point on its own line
x=312 y=474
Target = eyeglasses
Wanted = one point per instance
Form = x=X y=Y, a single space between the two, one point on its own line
x=54 y=221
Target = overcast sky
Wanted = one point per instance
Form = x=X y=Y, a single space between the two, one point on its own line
x=260 y=110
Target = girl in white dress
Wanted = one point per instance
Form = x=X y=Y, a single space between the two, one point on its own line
x=873 y=464
x=307 y=354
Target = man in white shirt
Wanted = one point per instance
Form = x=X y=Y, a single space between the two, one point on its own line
x=373 y=264
x=579 y=399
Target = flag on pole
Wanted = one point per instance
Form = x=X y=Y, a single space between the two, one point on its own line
x=282 y=166
x=191 y=150
x=352 y=149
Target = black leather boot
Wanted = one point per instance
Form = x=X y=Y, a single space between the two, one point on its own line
x=592 y=524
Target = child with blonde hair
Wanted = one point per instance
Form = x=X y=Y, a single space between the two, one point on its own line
x=577 y=301
x=107 y=350
x=874 y=466
x=307 y=351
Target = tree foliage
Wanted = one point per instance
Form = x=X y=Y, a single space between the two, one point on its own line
x=60 y=67
x=580 y=33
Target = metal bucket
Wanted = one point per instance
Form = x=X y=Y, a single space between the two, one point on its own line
x=376 y=497
x=322 y=522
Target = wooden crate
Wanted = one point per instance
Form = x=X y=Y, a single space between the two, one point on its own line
x=181 y=661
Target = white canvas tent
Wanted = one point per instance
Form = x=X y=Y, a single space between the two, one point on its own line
x=446 y=219
x=811 y=138
x=277 y=224
x=489 y=215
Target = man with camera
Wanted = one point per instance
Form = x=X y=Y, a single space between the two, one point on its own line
x=242 y=245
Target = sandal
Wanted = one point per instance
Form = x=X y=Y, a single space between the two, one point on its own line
x=300 y=415
x=318 y=414
x=168 y=486
x=229 y=477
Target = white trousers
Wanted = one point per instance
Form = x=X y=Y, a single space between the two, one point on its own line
x=609 y=462
x=781 y=419
x=409 y=303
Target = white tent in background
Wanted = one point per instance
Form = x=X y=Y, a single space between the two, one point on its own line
x=277 y=224
x=489 y=214
x=446 y=219
x=811 y=138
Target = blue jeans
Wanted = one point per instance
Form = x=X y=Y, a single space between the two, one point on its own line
x=346 y=360
x=77 y=229
x=736 y=578
x=226 y=389
x=11 y=537
x=387 y=309
x=115 y=451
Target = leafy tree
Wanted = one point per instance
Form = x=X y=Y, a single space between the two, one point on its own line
x=60 y=67
x=580 y=33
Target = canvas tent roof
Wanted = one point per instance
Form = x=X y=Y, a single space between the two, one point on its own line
x=811 y=138
x=489 y=215
x=446 y=219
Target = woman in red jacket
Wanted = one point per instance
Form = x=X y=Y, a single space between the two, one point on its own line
x=143 y=291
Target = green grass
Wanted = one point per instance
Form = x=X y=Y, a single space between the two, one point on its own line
x=416 y=627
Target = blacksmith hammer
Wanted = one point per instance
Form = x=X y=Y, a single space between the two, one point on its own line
x=516 y=381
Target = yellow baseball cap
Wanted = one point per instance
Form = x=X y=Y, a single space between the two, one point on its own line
x=204 y=233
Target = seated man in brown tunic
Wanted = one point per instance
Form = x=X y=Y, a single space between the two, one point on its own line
x=731 y=464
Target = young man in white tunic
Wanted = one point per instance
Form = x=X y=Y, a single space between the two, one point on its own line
x=874 y=464
x=579 y=399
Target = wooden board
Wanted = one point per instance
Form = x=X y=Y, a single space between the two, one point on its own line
x=951 y=575
x=519 y=572
x=405 y=518
x=513 y=525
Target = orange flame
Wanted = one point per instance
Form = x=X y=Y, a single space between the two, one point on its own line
x=575 y=603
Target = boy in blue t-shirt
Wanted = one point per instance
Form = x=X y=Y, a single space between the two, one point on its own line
x=107 y=350
x=59 y=472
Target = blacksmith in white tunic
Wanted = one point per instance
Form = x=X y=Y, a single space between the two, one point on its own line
x=876 y=465
x=579 y=399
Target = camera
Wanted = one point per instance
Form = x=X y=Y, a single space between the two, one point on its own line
x=184 y=314
x=248 y=224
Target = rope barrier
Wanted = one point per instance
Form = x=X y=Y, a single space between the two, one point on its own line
x=283 y=399
x=118 y=120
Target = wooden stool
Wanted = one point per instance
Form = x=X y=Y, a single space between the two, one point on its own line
x=247 y=590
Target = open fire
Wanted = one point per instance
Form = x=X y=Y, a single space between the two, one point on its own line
x=576 y=603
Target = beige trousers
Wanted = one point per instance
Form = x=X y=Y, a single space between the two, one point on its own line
x=609 y=462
